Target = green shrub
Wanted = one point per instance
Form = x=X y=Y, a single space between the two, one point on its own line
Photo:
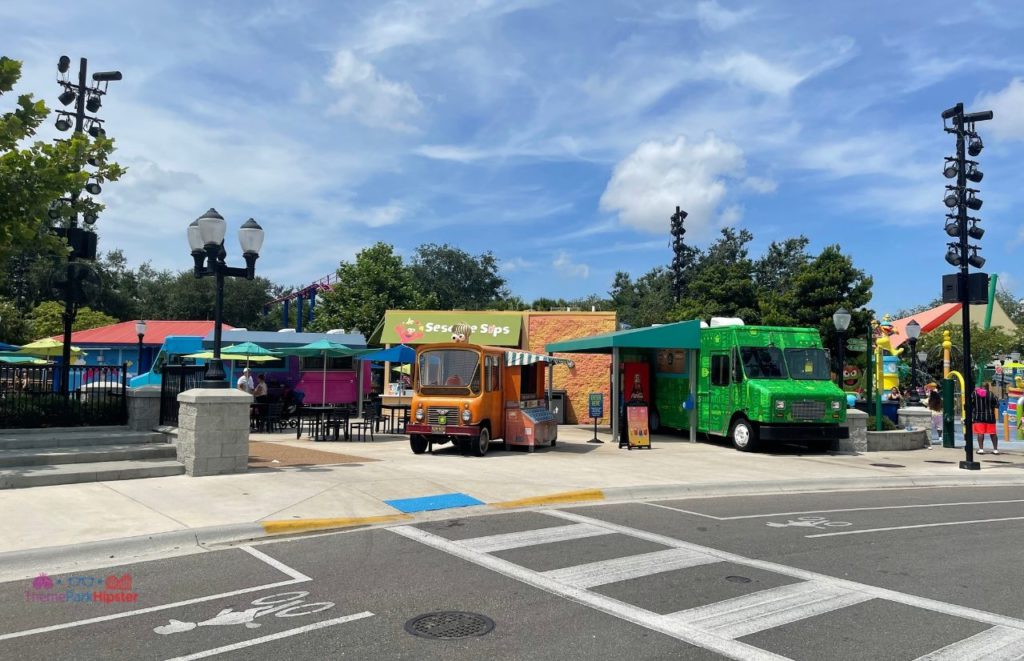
x=887 y=424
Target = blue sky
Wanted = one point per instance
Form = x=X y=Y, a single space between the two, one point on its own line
x=558 y=134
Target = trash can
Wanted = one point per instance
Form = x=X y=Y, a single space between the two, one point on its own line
x=557 y=404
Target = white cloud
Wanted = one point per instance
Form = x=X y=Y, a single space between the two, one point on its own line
x=370 y=98
x=761 y=184
x=564 y=265
x=1019 y=239
x=1007 y=106
x=379 y=216
x=452 y=153
x=730 y=216
x=715 y=17
x=648 y=184
x=516 y=264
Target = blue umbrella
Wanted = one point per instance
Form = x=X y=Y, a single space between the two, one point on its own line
x=396 y=354
x=8 y=347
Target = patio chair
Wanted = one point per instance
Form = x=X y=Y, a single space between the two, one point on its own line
x=371 y=420
x=273 y=421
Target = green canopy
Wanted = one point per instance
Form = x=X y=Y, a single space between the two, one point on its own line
x=21 y=360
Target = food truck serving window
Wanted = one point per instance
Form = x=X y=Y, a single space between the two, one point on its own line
x=763 y=362
x=448 y=372
x=808 y=364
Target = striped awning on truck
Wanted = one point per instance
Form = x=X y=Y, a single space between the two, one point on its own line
x=513 y=358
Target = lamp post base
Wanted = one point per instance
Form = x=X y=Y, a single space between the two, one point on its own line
x=970 y=465
x=215 y=375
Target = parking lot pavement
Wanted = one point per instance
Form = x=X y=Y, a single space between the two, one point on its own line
x=693 y=579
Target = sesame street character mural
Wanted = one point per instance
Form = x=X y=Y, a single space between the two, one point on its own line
x=887 y=367
x=461 y=332
x=852 y=379
x=410 y=330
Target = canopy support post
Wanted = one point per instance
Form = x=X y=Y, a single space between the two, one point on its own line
x=693 y=393
x=614 y=407
x=359 y=387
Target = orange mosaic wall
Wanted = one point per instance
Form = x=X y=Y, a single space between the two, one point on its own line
x=592 y=372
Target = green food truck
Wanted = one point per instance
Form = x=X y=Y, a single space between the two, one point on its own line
x=755 y=384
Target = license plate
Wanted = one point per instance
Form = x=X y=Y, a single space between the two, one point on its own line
x=437 y=429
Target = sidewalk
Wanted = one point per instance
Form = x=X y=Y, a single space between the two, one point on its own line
x=327 y=495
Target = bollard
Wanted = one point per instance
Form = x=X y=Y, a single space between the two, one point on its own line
x=948 y=429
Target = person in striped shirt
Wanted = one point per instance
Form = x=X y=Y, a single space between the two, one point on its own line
x=985 y=410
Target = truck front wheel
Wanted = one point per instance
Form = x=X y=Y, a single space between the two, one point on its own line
x=743 y=435
x=418 y=443
x=482 y=442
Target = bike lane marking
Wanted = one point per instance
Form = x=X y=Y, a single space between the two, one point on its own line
x=274 y=636
x=295 y=577
x=834 y=511
x=916 y=525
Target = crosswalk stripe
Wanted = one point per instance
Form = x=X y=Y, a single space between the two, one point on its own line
x=623 y=569
x=515 y=540
x=766 y=609
x=995 y=644
x=733 y=649
x=875 y=592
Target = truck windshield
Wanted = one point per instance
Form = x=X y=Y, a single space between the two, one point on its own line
x=448 y=372
x=762 y=363
x=808 y=364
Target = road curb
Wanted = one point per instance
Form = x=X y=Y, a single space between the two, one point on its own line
x=29 y=562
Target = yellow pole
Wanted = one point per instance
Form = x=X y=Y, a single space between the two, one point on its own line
x=963 y=391
x=946 y=346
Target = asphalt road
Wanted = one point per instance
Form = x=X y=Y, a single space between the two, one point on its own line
x=895 y=574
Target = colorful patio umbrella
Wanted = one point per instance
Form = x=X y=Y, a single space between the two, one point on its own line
x=248 y=349
x=396 y=354
x=8 y=347
x=208 y=355
x=325 y=349
x=48 y=347
x=22 y=360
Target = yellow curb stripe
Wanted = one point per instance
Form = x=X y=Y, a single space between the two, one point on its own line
x=302 y=525
x=554 y=498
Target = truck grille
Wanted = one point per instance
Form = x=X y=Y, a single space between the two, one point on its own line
x=808 y=410
x=450 y=413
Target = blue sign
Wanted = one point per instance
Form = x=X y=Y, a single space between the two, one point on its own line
x=595 y=404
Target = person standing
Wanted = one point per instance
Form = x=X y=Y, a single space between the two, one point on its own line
x=260 y=392
x=985 y=407
x=935 y=406
x=245 y=383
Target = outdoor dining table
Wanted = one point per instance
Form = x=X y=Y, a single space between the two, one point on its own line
x=392 y=409
x=322 y=418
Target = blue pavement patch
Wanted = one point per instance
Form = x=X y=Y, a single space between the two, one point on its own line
x=439 y=502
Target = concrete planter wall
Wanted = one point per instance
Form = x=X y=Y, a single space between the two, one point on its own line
x=888 y=441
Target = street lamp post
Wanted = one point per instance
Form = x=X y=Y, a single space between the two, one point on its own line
x=140 y=330
x=206 y=239
x=841 y=319
x=913 y=331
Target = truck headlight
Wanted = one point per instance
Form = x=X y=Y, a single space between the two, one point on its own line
x=466 y=415
x=419 y=415
x=780 y=404
x=836 y=406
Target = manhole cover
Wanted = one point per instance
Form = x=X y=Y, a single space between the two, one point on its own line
x=737 y=579
x=889 y=465
x=448 y=625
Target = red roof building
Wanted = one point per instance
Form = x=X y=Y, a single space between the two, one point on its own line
x=156 y=331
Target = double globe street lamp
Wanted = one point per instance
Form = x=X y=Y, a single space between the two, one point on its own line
x=206 y=239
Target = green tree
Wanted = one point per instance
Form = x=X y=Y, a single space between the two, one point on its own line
x=643 y=302
x=822 y=286
x=47 y=320
x=14 y=327
x=184 y=296
x=454 y=279
x=722 y=282
x=378 y=280
x=34 y=176
x=774 y=273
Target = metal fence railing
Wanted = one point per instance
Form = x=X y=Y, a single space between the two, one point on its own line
x=30 y=396
x=177 y=379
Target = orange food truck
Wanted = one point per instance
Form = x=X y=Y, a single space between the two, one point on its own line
x=472 y=395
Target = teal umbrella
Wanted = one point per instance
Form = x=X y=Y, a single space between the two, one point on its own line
x=247 y=350
x=326 y=349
